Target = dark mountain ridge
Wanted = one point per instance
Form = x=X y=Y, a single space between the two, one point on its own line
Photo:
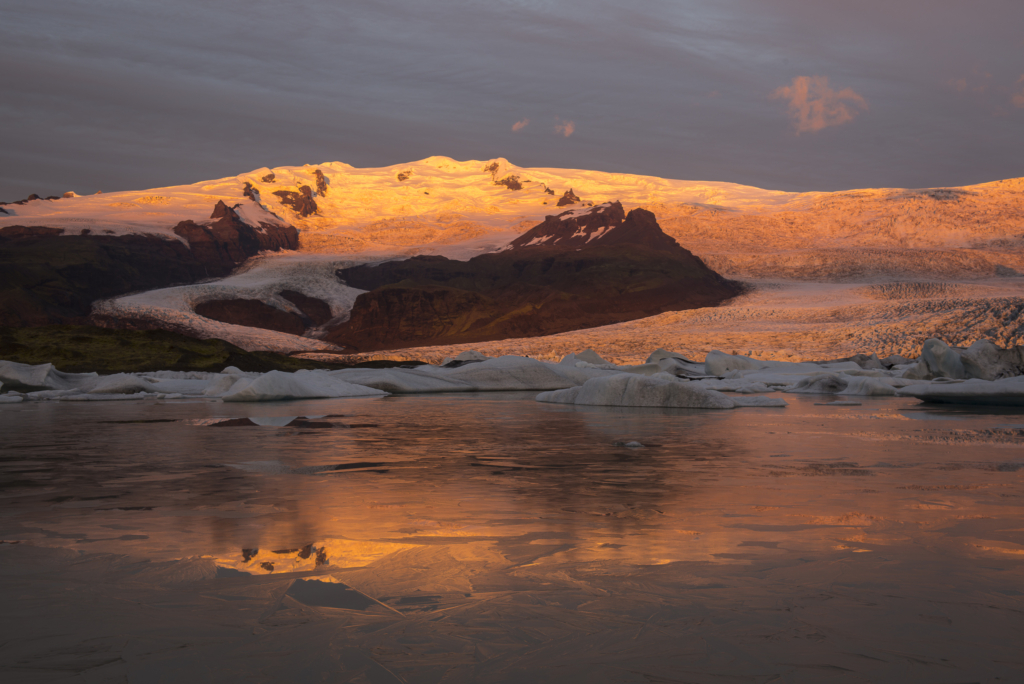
x=581 y=269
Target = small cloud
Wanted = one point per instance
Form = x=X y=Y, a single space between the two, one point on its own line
x=814 y=105
x=1018 y=97
x=978 y=82
x=520 y=125
x=565 y=128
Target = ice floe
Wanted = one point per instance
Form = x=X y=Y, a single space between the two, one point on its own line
x=666 y=380
x=660 y=390
x=1005 y=392
x=276 y=386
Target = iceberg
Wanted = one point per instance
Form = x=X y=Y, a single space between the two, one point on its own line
x=276 y=386
x=1005 y=392
x=625 y=389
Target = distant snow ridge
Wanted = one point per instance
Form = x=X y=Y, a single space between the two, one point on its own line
x=738 y=230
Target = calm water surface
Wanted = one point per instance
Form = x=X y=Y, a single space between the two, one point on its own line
x=875 y=541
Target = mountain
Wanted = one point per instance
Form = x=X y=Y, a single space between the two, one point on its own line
x=119 y=253
x=579 y=269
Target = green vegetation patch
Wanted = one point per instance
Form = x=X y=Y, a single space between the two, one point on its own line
x=84 y=349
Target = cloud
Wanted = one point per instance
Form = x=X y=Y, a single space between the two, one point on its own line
x=814 y=105
x=1018 y=97
x=565 y=128
x=520 y=125
x=978 y=82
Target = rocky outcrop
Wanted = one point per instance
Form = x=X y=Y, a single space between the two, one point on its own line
x=301 y=202
x=316 y=311
x=229 y=241
x=510 y=182
x=252 y=313
x=250 y=192
x=568 y=198
x=621 y=267
x=269 y=178
x=321 y=183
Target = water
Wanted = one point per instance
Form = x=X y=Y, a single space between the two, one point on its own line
x=523 y=540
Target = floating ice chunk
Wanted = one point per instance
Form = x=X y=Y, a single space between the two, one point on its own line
x=191 y=387
x=753 y=388
x=591 y=356
x=122 y=383
x=509 y=373
x=402 y=380
x=626 y=389
x=21 y=376
x=720 y=364
x=821 y=383
x=231 y=370
x=51 y=394
x=942 y=361
x=1005 y=392
x=765 y=402
x=937 y=360
x=221 y=385
x=679 y=367
x=107 y=397
x=659 y=354
x=11 y=398
x=869 y=387
x=986 y=361
x=738 y=385
x=275 y=386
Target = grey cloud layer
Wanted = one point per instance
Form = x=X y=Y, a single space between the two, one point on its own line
x=117 y=94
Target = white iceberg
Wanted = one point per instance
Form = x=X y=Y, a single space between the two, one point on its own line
x=26 y=378
x=1005 y=392
x=276 y=386
x=122 y=383
x=625 y=389
x=402 y=380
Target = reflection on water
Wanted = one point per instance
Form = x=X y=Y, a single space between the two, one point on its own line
x=431 y=502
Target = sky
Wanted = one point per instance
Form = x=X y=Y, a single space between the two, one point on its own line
x=783 y=94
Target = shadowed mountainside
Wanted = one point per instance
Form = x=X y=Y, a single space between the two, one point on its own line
x=47 y=276
x=581 y=269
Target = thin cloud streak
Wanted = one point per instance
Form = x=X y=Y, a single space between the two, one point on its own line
x=565 y=128
x=814 y=105
x=520 y=125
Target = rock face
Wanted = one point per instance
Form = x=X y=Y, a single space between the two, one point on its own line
x=568 y=198
x=229 y=241
x=315 y=310
x=577 y=270
x=321 y=183
x=302 y=201
x=252 y=313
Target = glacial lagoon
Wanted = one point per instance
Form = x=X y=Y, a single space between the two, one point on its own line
x=487 y=537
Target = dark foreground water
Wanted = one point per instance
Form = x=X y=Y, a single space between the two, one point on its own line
x=489 y=538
